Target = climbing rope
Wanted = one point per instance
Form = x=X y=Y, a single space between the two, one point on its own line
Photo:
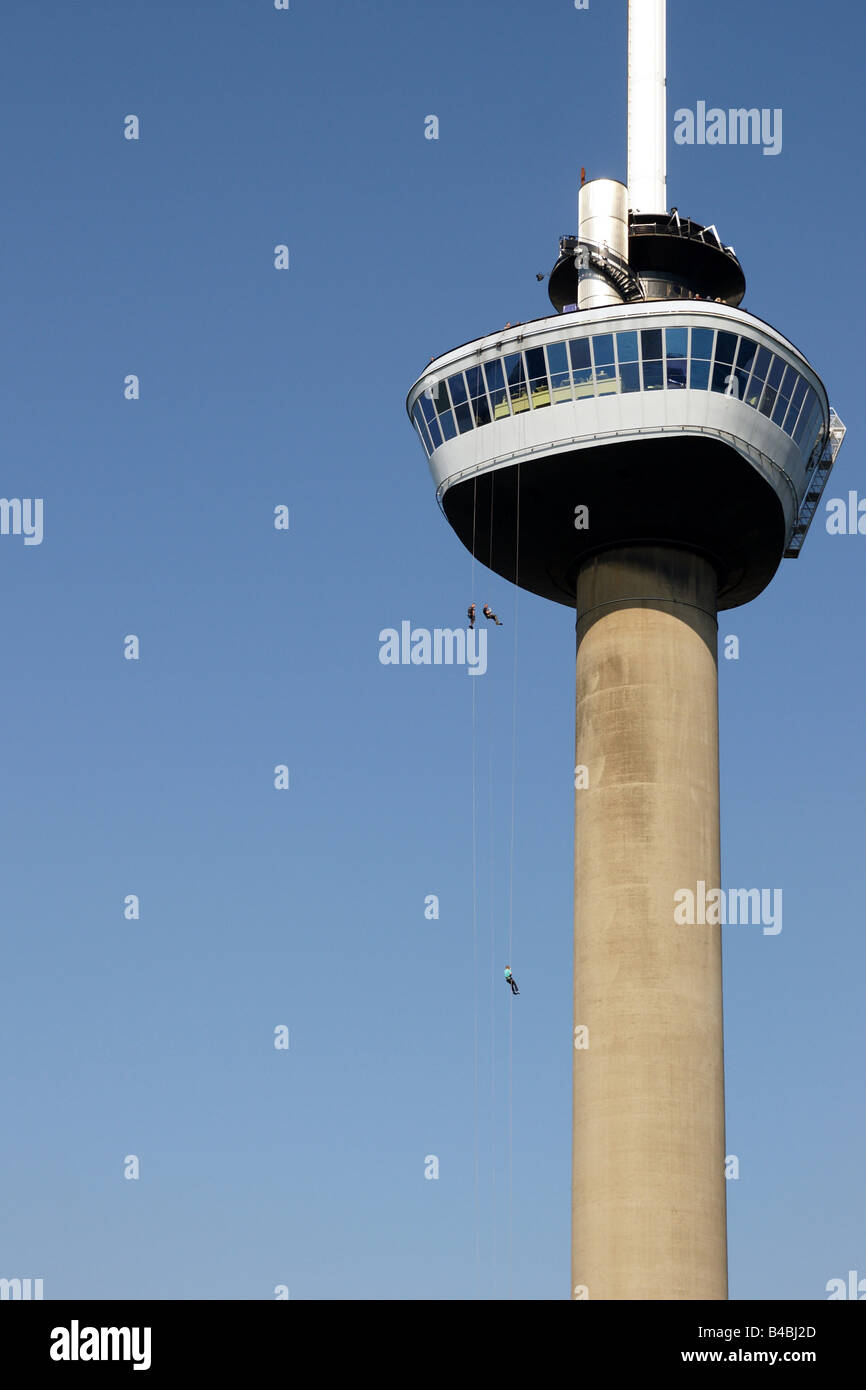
x=494 y=942
x=511 y=890
x=476 y=1154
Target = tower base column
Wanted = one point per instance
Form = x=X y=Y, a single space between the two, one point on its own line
x=648 y=1196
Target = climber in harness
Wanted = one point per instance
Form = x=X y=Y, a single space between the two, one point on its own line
x=490 y=615
x=470 y=613
x=511 y=980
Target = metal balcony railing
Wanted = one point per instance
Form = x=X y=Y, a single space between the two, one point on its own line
x=825 y=455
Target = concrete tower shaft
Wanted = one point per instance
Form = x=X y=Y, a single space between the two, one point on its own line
x=649 y=1127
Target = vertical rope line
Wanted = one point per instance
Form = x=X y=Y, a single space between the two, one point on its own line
x=493 y=967
x=493 y=1124
x=511 y=893
x=476 y=1144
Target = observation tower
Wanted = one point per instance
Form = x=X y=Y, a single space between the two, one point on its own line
x=647 y=454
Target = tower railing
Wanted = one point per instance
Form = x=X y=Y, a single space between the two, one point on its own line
x=825 y=456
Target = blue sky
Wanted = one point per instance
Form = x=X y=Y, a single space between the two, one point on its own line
x=154 y=1037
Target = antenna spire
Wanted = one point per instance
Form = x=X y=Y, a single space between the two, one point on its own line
x=647 y=105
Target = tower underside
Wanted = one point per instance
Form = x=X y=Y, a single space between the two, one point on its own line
x=687 y=491
x=649 y=1145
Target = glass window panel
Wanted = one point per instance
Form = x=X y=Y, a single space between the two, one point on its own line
x=653 y=375
x=539 y=386
x=462 y=413
x=677 y=342
x=480 y=410
x=496 y=387
x=809 y=420
x=602 y=350
x=759 y=372
x=702 y=343
x=605 y=379
x=745 y=359
x=422 y=430
x=746 y=355
x=560 y=376
x=419 y=422
x=785 y=388
x=579 y=351
x=447 y=425
x=726 y=347
x=774 y=376
x=699 y=375
x=442 y=402
x=477 y=395
x=626 y=347
x=809 y=427
x=581 y=363
x=651 y=344
x=441 y=399
x=430 y=417
x=813 y=433
x=768 y=400
x=804 y=417
x=629 y=372
x=676 y=373
x=794 y=408
x=475 y=382
x=494 y=375
x=557 y=361
x=809 y=408
x=516 y=374
x=776 y=372
x=458 y=389
x=605 y=370
x=724 y=378
x=762 y=362
x=536 y=365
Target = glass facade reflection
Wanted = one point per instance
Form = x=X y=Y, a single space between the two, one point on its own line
x=646 y=359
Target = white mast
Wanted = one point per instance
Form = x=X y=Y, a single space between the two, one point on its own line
x=647 y=106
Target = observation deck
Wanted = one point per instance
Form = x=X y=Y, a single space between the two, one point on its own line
x=676 y=422
x=670 y=257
